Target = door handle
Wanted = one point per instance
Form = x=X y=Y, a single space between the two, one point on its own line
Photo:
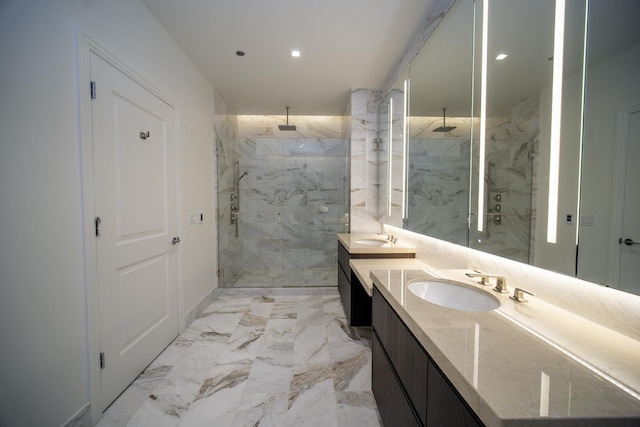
x=628 y=242
x=175 y=240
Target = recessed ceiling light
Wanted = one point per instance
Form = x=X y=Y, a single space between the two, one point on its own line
x=501 y=56
x=295 y=53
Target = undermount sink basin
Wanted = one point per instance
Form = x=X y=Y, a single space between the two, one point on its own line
x=371 y=242
x=456 y=295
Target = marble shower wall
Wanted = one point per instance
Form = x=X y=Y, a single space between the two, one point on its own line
x=293 y=199
x=512 y=140
x=366 y=147
x=438 y=185
x=229 y=247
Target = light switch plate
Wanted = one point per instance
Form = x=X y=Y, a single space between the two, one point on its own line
x=193 y=218
x=589 y=220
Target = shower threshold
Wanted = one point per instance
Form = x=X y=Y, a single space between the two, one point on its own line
x=315 y=277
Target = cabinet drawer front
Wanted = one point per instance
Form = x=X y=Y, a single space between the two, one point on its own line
x=390 y=398
x=407 y=357
x=344 y=288
x=343 y=259
x=445 y=406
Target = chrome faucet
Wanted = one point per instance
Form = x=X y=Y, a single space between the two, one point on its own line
x=501 y=282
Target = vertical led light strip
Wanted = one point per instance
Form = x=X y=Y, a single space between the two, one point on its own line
x=390 y=169
x=476 y=355
x=483 y=113
x=556 y=122
x=582 y=109
x=545 y=389
x=404 y=150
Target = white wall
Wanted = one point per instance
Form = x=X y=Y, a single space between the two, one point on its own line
x=560 y=256
x=612 y=85
x=44 y=355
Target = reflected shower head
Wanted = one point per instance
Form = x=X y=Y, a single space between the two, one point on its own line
x=444 y=127
x=287 y=127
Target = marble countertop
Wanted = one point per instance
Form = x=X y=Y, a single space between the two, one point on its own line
x=362 y=268
x=350 y=243
x=509 y=373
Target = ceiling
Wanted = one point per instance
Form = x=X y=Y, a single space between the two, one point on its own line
x=344 y=44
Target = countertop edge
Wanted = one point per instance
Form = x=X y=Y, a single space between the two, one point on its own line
x=394 y=248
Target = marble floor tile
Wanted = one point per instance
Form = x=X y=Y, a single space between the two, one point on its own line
x=264 y=358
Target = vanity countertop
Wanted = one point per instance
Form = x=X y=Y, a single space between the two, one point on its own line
x=362 y=268
x=349 y=241
x=509 y=373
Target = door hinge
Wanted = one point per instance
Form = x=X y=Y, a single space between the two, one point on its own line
x=98 y=226
x=93 y=90
x=102 y=360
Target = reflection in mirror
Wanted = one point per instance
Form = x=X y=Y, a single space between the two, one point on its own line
x=519 y=43
x=441 y=203
x=439 y=152
x=519 y=71
x=392 y=177
x=610 y=187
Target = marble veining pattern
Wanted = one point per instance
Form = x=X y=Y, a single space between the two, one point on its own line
x=512 y=137
x=290 y=190
x=258 y=357
x=365 y=159
x=438 y=196
x=229 y=247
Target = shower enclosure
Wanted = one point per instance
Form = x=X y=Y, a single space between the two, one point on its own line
x=281 y=202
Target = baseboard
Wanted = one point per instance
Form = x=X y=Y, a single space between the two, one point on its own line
x=82 y=418
x=193 y=314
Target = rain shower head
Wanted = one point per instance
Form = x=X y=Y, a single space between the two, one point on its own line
x=444 y=127
x=287 y=127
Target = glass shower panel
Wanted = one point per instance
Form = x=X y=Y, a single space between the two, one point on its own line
x=261 y=183
x=288 y=199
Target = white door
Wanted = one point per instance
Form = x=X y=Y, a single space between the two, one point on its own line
x=630 y=238
x=135 y=199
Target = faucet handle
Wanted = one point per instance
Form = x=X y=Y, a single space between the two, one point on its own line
x=518 y=295
x=483 y=277
x=501 y=285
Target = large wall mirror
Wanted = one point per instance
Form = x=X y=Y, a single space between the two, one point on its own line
x=439 y=127
x=610 y=196
x=515 y=128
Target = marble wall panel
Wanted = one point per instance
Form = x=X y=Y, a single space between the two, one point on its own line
x=365 y=158
x=301 y=184
x=229 y=247
x=438 y=192
x=512 y=136
x=306 y=126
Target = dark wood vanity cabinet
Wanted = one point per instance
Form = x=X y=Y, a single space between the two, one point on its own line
x=445 y=406
x=355 y=299
x=408 y=386
x=393 y=406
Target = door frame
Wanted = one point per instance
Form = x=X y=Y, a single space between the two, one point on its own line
x=620 y=168
x=85 y=47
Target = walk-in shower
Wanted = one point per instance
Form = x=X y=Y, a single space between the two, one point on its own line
x=281 y=202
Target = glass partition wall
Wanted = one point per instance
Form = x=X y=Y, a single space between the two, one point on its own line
x=281 y=202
